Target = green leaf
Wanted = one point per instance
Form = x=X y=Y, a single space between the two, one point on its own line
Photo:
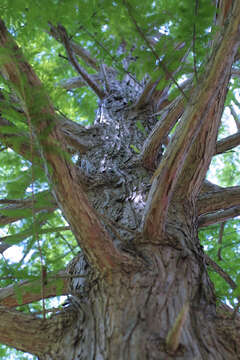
x=135 y=149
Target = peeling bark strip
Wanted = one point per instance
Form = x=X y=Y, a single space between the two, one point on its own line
x=173 y=338
x=84 y=221
x=187 y=157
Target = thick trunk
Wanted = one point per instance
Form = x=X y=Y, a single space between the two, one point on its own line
x=143 y=293
x=130 y=315
x=166 y=308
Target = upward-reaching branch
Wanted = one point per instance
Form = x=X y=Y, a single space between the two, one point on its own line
x=73 y=60
x=84 y=222
x=79 y=50
x=186 y=160
x=170 y=116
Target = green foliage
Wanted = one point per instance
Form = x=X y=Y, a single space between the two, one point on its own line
x=100 y=26
x=228 y=259
x=135 y=149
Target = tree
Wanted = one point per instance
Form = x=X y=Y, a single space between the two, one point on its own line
x=131 y=186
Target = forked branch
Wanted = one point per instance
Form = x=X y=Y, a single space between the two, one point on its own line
x=187 y=158
x=90 y=81
x=78 y=49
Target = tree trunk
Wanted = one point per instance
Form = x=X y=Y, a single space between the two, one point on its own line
x=132 y=201
x=165 y=306
x=131 y=315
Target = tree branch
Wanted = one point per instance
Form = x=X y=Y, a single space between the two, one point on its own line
x=227 y=143
x=151 y=146
x=17 y=211
x=207 y=186
x=76 y=82
x=31 y=334
x=220 y=240
x=84 y=221
x=7 y=241
x=235 y=117
x=72 y=58
x=147 y=94
x=220 y=271
x=26 y=292
x=187 y=158
x=218 y=200
x=76 y=137
x=218 y=216
x=141 y=33
x=79 y=50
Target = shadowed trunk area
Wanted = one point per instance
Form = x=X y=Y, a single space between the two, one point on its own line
x=130 y=316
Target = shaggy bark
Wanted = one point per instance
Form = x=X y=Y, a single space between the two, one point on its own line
x=140 y=288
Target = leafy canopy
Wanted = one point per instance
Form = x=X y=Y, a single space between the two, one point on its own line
x=101 y=26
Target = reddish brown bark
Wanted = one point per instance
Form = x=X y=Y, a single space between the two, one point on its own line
x=140 y=288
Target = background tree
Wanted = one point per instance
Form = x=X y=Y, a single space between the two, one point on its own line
x=105 y=206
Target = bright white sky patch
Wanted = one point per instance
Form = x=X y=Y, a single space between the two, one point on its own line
x=14 y=253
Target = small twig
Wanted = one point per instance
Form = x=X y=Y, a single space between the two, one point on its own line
x=114 y=59
x=235 y=117
x=11 y=201
x=220 y=272
x=35 y=233
x=194 y=40
x=52 y=310
x=78 y=49
x=63 y=57
x=160 y=62
x=221 y=231
x=86 y=77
